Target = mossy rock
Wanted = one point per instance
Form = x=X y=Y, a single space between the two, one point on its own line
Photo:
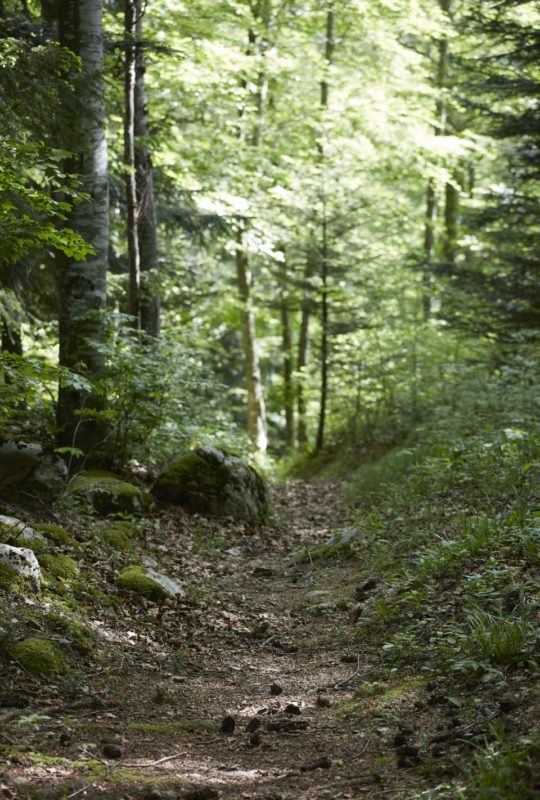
x=109 y=494
x=81 y=638
x=17 y=533
x=53 y=532
x=38 y=656
x=116 y=538
x=59 y=566
x=8 y=577
x=209 y=481
x=147 y=583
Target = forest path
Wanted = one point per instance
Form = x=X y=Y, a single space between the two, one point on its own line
x=255 y=621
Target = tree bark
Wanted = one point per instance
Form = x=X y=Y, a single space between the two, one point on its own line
x=256 y=411
x=431 y=197
x=49 y=18
x=324 y=265
x=451 y=222
x=10 y=329
x=286 y=344
x=147 y=214
x=306 y=310
x=134 y=264
x=82 y=285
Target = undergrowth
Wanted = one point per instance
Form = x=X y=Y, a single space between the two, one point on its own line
x=452 y=519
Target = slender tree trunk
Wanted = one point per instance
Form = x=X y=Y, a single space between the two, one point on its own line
x=286 y=344
x=147 y=215
x=429 y=248
x=134 y=264
x=256 y=412
x=82 y=285
x=324 y=266
x=431 y=197
x=306 y=310
x=49 y=18
x=451 y=222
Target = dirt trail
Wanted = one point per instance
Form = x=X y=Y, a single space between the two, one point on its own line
x=261 y=639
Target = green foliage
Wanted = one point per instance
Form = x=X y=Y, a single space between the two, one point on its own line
x=160 y=397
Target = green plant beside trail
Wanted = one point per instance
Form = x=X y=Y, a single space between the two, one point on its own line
x=452 y=520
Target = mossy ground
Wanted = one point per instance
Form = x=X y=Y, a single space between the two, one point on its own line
x=38 y=657
x=59 y=566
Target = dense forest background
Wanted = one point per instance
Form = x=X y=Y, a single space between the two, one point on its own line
x=316 y=222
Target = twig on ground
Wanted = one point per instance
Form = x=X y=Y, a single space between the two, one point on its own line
x=95 y=757
x=159 y=761
x=80 y=791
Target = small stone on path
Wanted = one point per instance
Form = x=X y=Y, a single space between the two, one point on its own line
x=228 y=725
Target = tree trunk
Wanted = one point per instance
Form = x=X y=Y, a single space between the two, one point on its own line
x=306 y=310
x=147 y=216
x=429 y=247
x=324 y=266
x=256 y=412
x=82 y=285
x=286 y=344
x=49 y=18
x=431 y=197
x=134 y=264
x=451 y=222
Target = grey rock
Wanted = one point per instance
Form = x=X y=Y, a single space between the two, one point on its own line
x=28 y=471
x=17 y=460
x=345 y=537
x=22 y=561
x=19 y=532
x=209 y=481
x=168 y=584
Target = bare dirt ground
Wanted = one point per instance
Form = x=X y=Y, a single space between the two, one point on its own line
x=247 y=688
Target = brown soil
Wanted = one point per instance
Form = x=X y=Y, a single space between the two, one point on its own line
x=165 y=677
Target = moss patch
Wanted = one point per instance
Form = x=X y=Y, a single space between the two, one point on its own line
x=116 y=538
x=38 y=656
x=108 y=493
x=8 y=577
x=82 y=638
x=134 y=579
x=56 y=533
x=59 y=566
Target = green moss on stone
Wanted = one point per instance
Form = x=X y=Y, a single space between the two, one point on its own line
x=8 y=576
x=108 y=493
x=82 y=638
x=55 y=533
x=59 y=566
x=134 y=579
x=194 y=470
x=115 y=538
x=38 y=656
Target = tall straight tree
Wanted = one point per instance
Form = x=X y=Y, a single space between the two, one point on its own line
x=82 y=284
x=256 y=410
x=329 y=45
x=441 y=112
x=130 y=176
x=149 y=303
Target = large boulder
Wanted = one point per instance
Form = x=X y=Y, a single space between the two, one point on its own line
x=109 y=494
x=209 y=481
x=28 y=473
